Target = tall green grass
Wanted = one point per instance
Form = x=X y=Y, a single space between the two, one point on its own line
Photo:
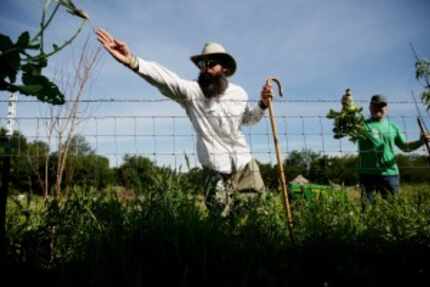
x=163 y=234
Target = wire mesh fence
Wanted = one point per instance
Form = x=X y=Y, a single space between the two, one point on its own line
x=168 y=138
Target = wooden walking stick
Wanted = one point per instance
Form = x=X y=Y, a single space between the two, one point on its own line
x=421 y=125
x=281 y=173
x=424 y=131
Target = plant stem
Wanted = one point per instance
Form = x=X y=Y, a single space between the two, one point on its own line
x=43 y=26
x=68 y=41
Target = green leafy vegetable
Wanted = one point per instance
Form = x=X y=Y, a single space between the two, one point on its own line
x=349 y=122
x=20 y=58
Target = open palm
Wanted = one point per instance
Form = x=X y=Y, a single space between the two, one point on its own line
x=119 y=50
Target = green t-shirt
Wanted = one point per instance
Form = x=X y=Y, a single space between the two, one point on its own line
x=377 y=155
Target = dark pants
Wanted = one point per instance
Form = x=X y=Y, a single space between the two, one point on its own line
x=383 y=184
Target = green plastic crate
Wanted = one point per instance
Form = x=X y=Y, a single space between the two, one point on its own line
x=306 y=191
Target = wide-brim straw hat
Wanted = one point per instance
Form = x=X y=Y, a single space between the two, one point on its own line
x=216 y=52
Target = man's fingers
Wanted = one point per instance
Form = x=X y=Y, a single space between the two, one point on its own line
x=106 y=34
x=102 y=41
x=267 y=88
x=120 y=43
x=102 y=37
x=106 y=45
x=108 y=42
x=115 y=47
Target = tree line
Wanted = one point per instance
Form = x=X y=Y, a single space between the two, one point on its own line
x=34 y=167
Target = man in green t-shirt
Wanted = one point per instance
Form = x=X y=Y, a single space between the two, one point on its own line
x=378 y=169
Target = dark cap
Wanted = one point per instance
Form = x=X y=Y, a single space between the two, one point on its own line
x=378 y=100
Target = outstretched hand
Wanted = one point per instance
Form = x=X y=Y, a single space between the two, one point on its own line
x=119 y=50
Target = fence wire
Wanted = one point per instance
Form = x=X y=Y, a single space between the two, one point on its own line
x=170 y=140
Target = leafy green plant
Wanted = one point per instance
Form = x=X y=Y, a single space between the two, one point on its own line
x=422 y=74
x=396 y=219
x=349 y=122
x=28 y=56
x=92 y=236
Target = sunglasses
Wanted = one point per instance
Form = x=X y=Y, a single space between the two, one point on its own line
x=207 y=64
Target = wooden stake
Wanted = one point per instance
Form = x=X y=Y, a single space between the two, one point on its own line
x=424 y=131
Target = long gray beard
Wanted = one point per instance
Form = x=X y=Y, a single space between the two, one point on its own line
x=212 y=86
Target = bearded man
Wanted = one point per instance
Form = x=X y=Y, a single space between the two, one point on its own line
x=217 y=109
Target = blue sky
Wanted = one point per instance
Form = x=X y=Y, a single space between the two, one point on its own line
x=317 y=49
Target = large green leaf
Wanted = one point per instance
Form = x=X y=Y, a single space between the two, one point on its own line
x=35 y=66
x=41 y=61
x=23 y=40
x=3 y=85
x=9 y=65
x=30 y=90
x=9 y=59
x=5 y=43
x=40 y=87
x=8 y=87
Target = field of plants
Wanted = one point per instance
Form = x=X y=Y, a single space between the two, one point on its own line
x=71 y=219
x=141 y=224
x=162 y=234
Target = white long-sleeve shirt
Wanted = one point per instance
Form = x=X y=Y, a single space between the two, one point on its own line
x=221 y=145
